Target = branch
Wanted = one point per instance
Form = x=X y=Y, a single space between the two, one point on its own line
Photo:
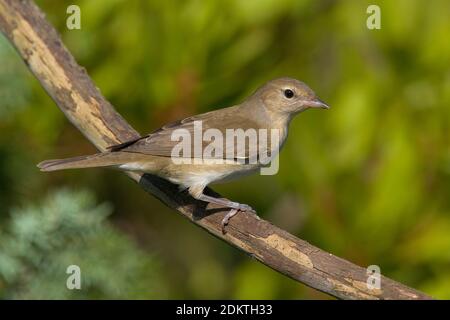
x=76 y=95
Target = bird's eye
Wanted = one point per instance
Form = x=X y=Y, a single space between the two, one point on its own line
x=288 y=93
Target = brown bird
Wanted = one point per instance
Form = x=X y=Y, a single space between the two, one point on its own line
x=269 y=109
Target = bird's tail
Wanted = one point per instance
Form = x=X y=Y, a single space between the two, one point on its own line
x=105 y=159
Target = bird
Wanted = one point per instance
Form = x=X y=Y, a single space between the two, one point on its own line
x=270 y=108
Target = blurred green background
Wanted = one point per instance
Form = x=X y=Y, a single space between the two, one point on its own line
x=368 y=180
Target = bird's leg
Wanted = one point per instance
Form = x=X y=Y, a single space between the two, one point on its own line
x=224 y=202
x=235 y=207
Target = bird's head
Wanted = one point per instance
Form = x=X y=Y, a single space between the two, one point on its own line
x=287 y=96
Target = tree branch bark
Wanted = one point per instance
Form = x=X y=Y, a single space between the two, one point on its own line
x=68 y=84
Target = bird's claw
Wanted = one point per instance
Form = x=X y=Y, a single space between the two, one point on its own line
x=233 y=212
x=245 y=207
x=227 y=218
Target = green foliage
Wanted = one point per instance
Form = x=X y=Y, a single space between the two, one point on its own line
x=40 y=242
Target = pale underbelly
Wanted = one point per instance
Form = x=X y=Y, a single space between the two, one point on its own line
x=187 y=175
x=205 y=175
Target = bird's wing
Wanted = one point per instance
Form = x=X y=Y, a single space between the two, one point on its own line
x=159 y=142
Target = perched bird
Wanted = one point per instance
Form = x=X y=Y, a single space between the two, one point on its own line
x=269 y=108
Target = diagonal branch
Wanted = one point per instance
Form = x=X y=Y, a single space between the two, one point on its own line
x=68 y=84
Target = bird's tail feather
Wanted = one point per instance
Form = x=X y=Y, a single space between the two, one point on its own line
x=96 y=160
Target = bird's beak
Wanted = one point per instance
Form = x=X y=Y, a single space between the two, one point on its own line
x=317 y=103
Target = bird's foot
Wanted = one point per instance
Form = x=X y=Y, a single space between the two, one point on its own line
x=245 y=207
x=227 y=218
x=235 y=211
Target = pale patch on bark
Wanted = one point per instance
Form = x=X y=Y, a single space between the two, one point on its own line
x=410 y=295
x=46 y=67
x=288 y=249
x=350 y=291
x=361 y=285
